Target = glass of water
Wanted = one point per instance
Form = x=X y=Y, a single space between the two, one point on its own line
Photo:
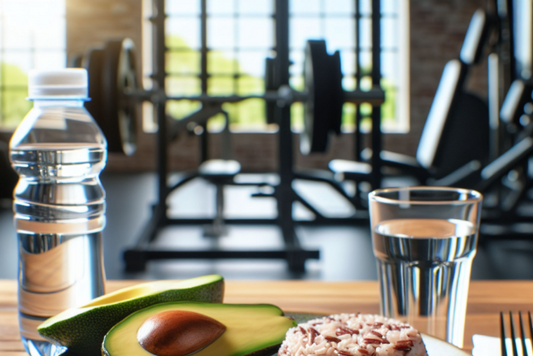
x=424 y=240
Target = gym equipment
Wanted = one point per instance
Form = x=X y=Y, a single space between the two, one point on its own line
x=455 y=117
x=114 y=90
x=502 y=173
x=112 y=73
x=8 y=177
x=323 y=115
x=320 y=86
x=322 y=111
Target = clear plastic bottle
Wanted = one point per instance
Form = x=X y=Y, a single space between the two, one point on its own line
x=59 y=208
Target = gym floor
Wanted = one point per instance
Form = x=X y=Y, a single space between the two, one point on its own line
x=346 y=252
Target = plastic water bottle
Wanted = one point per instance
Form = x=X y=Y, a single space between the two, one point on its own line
x=59 y=208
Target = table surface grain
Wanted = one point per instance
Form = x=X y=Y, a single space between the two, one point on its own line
x=486 y=299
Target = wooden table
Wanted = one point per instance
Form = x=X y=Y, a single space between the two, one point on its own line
x=486 y=300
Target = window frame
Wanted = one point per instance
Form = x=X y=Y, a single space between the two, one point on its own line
x=402 y=100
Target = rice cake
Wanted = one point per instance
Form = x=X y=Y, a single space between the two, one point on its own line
x=353 y=335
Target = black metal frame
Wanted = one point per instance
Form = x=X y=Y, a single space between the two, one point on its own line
x=284 y=192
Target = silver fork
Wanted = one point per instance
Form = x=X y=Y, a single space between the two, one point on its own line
x=511 y=345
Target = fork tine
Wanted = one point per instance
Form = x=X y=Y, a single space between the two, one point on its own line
x=502 y=335
x=513 y=336
x=522 y=336
x=530 y=324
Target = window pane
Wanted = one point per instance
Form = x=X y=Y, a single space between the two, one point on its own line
x=388 y=109
x=339 y=7
x=365 y=61
x=297 y=59
x=220 y=32
x=17 y=33
x=348 y=116
x=337 y=26
x=49 y=60
x=366 y=83
x=302 y=29
x=182 y=32
x=389 y=67
x=14 y=107
x=218 y=7
x=221 y=62
x=220 y=86
x=185 y=86
x=183 y=7
x=365 y=37
x=255 y=32
x=297 y=82
x=348 y=83
x=232 y=111
x=255 y=7
x=49 y=8
x=15 y=65
x=250 y=85
x=389 y=32
x=251 y=112
x=181 y=108
x=33 y=24
x=389 y=7
x=252 y=62
x=348 y=62
x=183 y=62
x=54 y=37
x=304 y=6
x=297 y=117
x=32 y=36
x=365 y=7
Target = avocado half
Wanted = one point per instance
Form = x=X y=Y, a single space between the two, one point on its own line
x=83 y=329
x=251 y=329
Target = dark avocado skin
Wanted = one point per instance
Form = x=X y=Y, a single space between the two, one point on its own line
x=82 y=340
x=269 y=351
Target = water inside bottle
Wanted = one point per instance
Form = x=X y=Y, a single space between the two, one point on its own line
x=59 y=212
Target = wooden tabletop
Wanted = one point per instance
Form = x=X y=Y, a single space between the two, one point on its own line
x=486 y=300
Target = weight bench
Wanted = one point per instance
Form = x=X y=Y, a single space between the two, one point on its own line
x=455 y=135
x=218 y=172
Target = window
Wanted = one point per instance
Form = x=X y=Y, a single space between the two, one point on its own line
x=334 y=21
x=240 y=35
x=32 y=35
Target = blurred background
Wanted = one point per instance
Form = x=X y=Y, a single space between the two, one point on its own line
x=417 y=39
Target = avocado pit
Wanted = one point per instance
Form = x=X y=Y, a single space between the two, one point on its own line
x=178 y=333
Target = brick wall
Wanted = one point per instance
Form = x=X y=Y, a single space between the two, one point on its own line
x=437 y=30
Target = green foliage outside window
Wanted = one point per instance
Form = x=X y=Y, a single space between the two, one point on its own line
x=13 y=103
x=184 y=64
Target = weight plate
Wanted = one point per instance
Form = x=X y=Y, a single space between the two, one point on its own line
x=93 y=63
x=119 y=77
x=337 y=93
x=270 y=106
x=317 y=107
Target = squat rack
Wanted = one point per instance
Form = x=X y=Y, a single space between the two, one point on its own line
x=284 y=193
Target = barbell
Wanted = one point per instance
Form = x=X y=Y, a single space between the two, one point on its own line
x=114 y=90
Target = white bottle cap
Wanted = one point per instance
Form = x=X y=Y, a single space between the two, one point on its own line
x=68 y=83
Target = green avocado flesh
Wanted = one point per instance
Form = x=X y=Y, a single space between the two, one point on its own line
x=250 y=328
x=82 y=329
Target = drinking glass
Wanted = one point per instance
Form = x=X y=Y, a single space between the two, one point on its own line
x=424 y=240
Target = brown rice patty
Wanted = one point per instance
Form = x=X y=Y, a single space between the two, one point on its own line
x=353 y=335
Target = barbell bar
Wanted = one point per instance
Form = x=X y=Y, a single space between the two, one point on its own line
x=114 y=89
x=285 y=95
